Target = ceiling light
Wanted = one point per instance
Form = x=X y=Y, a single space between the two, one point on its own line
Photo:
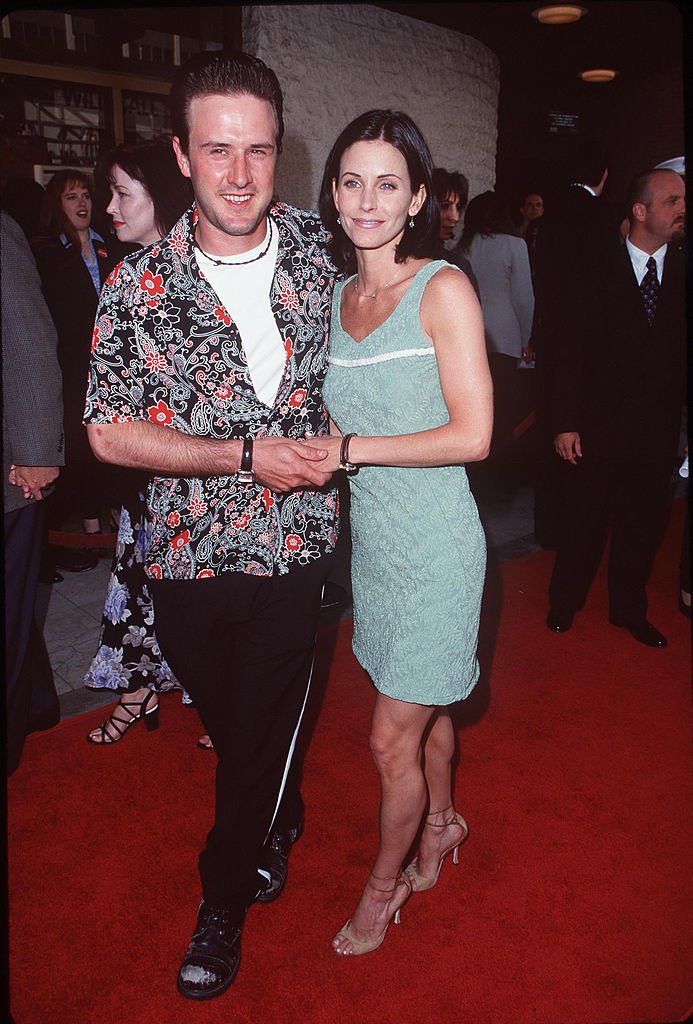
x=559 y=14
x=598 y=75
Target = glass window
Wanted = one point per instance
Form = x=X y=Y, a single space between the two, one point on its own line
x=66 y=122
x=145 y=116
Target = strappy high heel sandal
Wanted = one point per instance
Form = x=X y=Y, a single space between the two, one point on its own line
x=359 y=947
x=120 y=726
x=419 y=882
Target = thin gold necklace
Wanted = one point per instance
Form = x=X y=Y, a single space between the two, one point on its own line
x=369 y=295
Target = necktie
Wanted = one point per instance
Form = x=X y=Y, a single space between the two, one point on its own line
x=649 y=289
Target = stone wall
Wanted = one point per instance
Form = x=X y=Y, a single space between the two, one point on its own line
x=335 y=61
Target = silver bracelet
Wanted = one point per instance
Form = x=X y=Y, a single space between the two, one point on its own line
x=344 y=463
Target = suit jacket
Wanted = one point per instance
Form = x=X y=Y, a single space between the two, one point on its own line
x=617 y=381
x=578 y=226
x=32 y=408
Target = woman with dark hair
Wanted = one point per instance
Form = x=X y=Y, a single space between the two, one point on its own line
x=451 y=190
x=409 y=395
x=148 y=192
x=148 y=196
x=501 y=265
x=73 y=261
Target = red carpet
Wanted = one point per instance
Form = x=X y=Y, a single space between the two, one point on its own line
x=571 y=902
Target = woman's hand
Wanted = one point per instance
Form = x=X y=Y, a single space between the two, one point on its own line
x=330 y=444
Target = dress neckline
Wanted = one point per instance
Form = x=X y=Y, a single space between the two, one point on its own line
x=401 y=299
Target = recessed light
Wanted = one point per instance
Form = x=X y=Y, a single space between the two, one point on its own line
x=559 y=14
x=598 y=75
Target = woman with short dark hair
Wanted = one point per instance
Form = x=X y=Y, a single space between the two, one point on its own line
x=409 y=395
x=148 y=196
x=148 y=192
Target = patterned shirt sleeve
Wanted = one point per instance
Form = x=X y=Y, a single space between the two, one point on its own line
x=115 y=390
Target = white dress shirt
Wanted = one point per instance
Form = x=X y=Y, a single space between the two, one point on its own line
x=639 y=260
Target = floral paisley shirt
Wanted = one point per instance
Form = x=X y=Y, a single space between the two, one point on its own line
x=166 y=350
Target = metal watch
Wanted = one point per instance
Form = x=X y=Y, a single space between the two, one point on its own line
x=246 y=474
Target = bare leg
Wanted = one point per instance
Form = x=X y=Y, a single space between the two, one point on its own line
x=396 y=736
x=439 y=749
x=91 y=526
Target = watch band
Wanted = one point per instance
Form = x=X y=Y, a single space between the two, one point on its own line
x=245 y=474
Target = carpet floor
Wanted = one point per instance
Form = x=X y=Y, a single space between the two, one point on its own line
x=571 y=903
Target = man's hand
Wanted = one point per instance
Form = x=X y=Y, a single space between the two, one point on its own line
x=568 y=446
x=33 y=479
x=284 y=465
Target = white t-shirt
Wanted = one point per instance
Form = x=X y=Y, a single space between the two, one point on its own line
x=244 y=289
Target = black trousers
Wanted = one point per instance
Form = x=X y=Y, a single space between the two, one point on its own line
x=633 y=497
x=242 y=646
x=31 y=700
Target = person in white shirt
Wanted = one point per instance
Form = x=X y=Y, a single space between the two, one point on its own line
x=500 y=263
x=617 y=392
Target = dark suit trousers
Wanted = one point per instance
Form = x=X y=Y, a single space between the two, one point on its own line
x=243 y=646
x=31 y=700
x=633 y=497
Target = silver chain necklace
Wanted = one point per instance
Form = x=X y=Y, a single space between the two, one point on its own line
x=372 y=295
x=235 y=263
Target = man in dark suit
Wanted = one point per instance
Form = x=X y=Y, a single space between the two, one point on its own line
x=33 y=451
x=580 y=222
x=616 y=395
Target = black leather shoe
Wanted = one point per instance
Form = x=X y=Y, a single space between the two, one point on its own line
x=50 y=575
x=275 y=861
x=559 y=622
x=643 y=631
x=214 y=954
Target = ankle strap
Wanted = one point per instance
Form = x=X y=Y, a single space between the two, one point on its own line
x=441 y=824
x=391 y=888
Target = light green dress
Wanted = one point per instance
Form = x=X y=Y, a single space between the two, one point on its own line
x=419 y=552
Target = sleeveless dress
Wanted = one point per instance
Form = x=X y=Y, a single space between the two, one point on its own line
x=419 y=552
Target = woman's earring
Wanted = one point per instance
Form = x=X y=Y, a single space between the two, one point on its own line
x=411 y=222
x=339 y=220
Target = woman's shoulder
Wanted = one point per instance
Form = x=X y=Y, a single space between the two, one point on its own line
x=53 y=256
x=448 y=292
x=442 y=278
x=513 y=243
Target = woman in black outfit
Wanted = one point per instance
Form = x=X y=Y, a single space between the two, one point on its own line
x=74 y=261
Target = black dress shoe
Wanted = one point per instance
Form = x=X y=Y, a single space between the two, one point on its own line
x=643 y=631
x=49 y=574
x=559 y=622
x=275 y=861
x=214 y=954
